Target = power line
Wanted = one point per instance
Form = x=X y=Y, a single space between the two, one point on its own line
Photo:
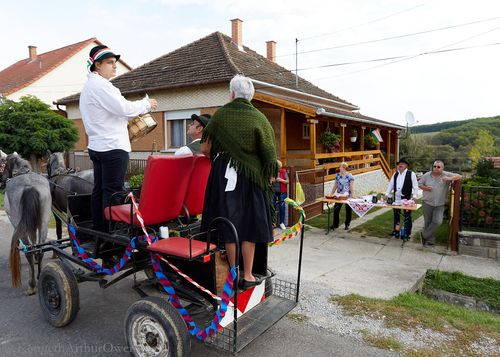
x=439 y=49
x=397 y=57
x=365 y=23
x=392 y=37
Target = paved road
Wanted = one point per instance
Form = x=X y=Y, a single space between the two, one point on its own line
x=98 y=328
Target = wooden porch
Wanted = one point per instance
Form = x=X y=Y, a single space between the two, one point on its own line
x=359 y=162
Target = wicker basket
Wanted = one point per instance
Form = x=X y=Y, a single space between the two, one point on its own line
x=221 y=271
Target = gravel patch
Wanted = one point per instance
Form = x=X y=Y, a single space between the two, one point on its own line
x=315 y=303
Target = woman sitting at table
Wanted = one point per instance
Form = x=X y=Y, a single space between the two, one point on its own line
x=343 y=188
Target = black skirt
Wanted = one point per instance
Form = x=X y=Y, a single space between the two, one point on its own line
x=247 y=207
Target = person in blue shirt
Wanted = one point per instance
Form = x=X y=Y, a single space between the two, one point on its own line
x=343 y=188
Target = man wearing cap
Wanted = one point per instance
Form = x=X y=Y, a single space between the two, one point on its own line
x=105 y=114
x=435 y=185
x=404 y=185
x=194 y=131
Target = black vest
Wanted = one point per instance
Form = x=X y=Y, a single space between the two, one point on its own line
x=195 y=147
x=407 y=185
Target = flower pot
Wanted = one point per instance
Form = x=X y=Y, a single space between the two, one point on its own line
x=353 y=139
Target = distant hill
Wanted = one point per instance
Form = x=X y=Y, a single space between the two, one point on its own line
x=460 y=133
x=432 y=128
x=483 y=123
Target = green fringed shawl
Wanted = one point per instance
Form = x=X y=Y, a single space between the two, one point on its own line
x=238 y=131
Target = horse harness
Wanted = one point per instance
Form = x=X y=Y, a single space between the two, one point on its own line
x=68 y=172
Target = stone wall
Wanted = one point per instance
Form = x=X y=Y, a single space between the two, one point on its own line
x=485 y=245
x=373 y=181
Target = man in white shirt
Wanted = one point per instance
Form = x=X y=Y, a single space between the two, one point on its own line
x=105 y=114
x=194 y=131
x=404 y=185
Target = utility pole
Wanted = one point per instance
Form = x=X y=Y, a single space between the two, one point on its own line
x=296 y=63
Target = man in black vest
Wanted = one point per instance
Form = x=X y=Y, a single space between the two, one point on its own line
x=194 y=131
x=404 y=185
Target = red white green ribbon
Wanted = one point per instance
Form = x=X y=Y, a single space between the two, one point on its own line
x=293 y=230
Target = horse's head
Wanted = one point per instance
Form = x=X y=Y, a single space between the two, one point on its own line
x=14 y=165
x=55 y=164
x=3 y=160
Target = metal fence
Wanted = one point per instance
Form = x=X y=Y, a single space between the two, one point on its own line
x=313 y=184
x=480 y=209
x=81 y=161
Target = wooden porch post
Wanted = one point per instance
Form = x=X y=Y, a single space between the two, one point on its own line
x=362 y=138
x=312 y=138
x=343 y=136
x=283 y=137
x=389 y=147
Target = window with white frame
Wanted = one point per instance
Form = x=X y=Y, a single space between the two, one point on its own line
x=176 y=123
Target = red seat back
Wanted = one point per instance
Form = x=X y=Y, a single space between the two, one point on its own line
x=195 y=193
x=164 y=187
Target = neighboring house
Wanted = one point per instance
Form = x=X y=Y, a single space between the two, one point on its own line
x=50 y=75
x=194 y=79
x=496 y=161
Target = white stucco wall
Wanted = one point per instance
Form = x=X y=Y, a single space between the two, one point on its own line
x=373 y=181
x=64 y=80
x=179 y=99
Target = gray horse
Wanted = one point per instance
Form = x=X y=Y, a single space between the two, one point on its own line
x=3 y=160
x=28 y=206
x=65 y=182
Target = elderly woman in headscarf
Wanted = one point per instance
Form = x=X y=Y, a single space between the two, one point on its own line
x=240 y=143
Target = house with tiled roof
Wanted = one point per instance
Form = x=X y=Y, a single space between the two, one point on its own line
x=194 y=79
x=50 y=75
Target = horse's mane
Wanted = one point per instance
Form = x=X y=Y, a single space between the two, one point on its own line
x=56 y=164
x=15 y=164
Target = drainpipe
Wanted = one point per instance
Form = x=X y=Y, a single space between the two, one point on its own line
x=61 y=110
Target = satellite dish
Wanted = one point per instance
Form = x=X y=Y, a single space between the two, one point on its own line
x=410 y=119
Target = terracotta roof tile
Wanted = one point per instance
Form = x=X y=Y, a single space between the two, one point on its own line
x=211 y=59
x=25 y=72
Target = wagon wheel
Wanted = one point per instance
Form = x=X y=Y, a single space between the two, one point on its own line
x=153 y=327
x=58 y=294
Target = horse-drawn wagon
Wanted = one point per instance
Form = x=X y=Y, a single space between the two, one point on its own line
x=185 y=285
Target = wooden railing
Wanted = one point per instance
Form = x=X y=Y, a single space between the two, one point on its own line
x=359 y=162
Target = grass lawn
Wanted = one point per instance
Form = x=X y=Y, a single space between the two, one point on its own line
x=382 y=225
x=322 y=220
x=410 y=310
x=379 y=226
x=484 y=289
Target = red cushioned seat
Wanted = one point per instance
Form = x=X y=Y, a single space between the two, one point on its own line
x=181 y=247
x=163 y=191
x=195 y=193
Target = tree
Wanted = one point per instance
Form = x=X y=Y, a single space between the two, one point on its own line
x=483 y=146
x=31 y=128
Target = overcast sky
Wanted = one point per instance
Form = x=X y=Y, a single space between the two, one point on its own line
x=453 y=85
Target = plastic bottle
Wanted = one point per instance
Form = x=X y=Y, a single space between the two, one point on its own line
x=164 y=232
x=397 y=229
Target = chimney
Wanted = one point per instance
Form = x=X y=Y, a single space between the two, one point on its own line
x=237 y=32
x=271 y=50
x=32 y=51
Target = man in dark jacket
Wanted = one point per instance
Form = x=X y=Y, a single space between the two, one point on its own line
x=403 y=185
x=194 y=131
